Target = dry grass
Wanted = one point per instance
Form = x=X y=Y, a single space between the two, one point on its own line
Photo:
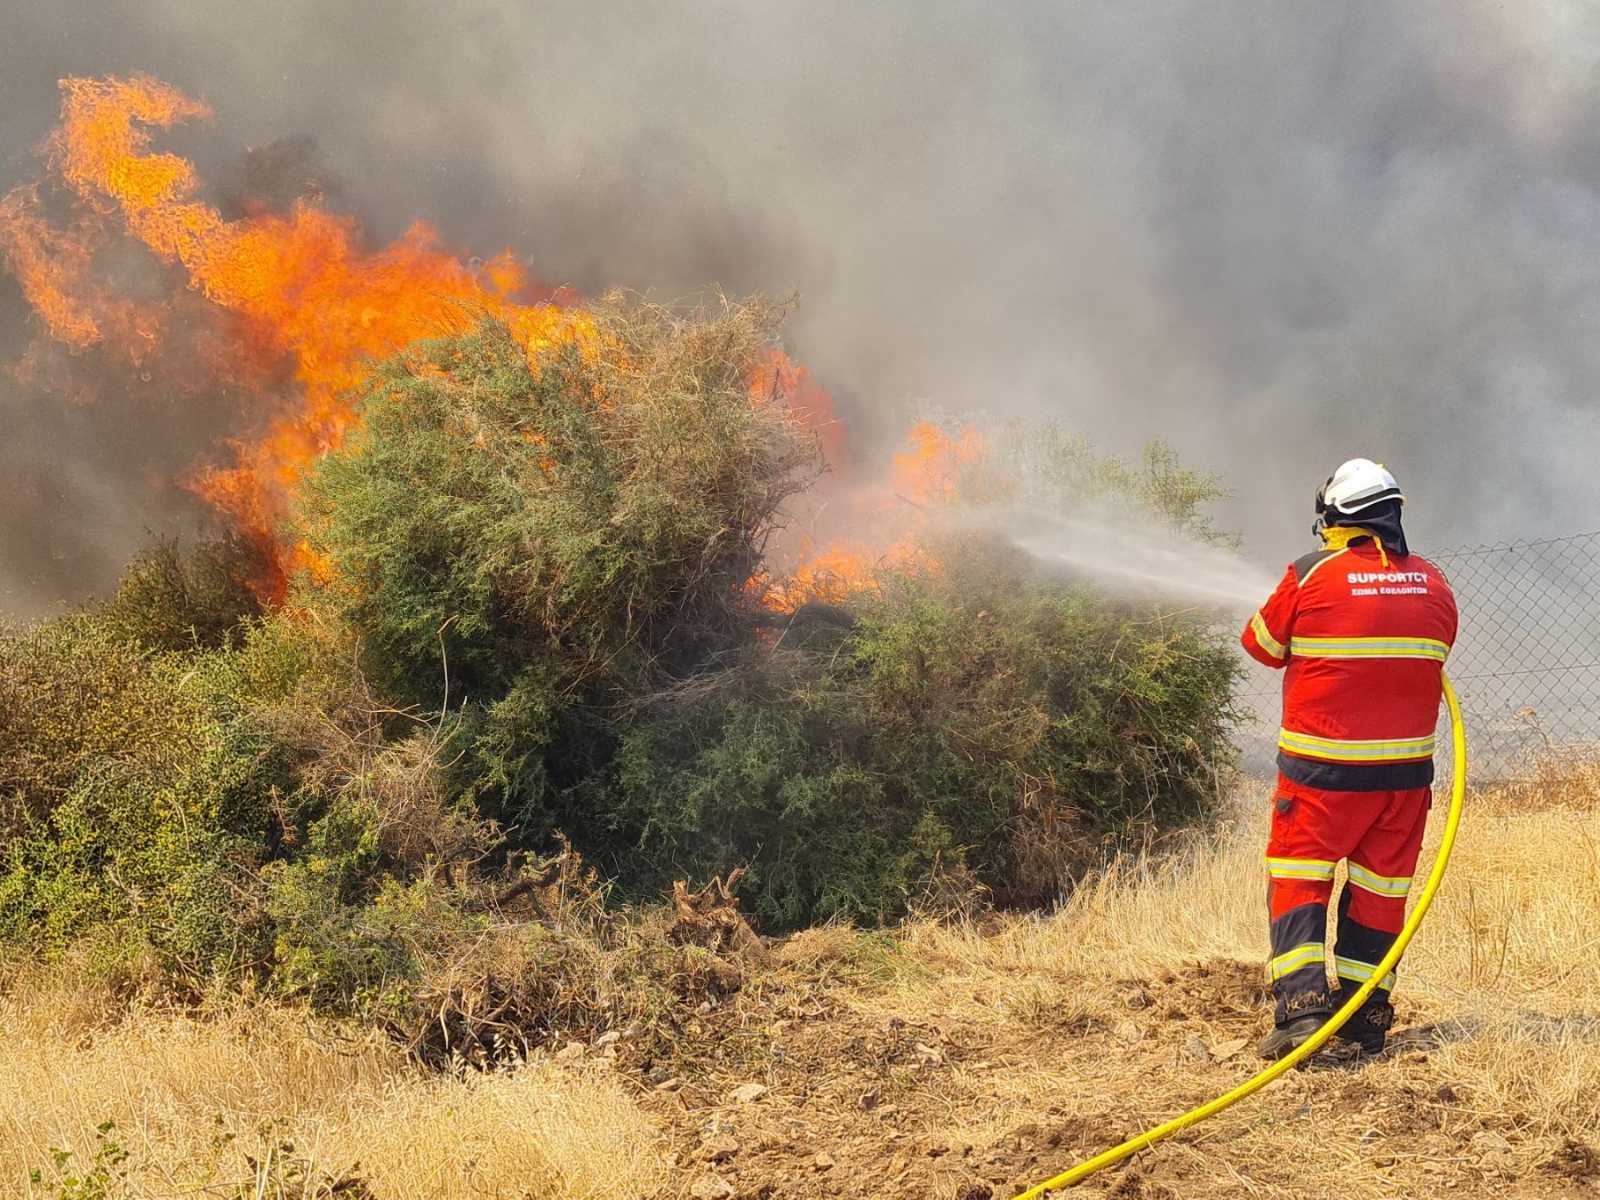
x=1501 y=991
x=991 y=1059
x=261 y=1098
x=1560 y=776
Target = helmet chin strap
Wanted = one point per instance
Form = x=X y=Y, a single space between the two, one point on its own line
x=1321 y=522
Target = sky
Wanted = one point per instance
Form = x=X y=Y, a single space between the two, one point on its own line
x=1275 y=235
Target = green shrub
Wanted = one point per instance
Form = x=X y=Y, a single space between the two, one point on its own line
x=354 y=952
x=171 y=600
x=539 y=624
x=214 y=810
x=1007 y=727
x=539 y=548
x=585 y=525
x=1044 y=466
x=136 y=794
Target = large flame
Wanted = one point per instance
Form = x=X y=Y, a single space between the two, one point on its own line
x=302 y=280
x=303 y=288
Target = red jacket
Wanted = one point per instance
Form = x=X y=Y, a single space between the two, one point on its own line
x=1363 y=635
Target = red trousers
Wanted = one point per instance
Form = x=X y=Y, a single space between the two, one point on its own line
x=1380 y=833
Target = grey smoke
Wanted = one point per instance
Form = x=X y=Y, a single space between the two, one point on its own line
x=1277 y=235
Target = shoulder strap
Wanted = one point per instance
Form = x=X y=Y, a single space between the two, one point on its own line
x=1307 y=564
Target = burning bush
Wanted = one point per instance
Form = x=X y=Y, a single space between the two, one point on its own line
x=569 y=548
x=545 y=545
x=975 y=719
x=595 y=517
x=535 y=602
x=537 y=605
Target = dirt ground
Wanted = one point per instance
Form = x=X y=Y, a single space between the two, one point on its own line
x=811 y=1091
x=972 y=1064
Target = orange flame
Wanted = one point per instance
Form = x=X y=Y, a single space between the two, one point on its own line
x=54 y=268
x=923 y=478
x=930 y=470
x=777 y=377
x=302 y=279
x=838 y=573
x=304 y=289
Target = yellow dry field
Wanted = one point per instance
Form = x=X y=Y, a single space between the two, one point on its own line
x=954 y=1063
x=265 y=1103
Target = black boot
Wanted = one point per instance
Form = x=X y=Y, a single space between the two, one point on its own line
x=1369 y=1028
x=1288 y=1037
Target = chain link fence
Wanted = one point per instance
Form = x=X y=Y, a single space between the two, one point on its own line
x=1526 y=663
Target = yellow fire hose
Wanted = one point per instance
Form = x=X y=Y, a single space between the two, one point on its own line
x=1117 y=1153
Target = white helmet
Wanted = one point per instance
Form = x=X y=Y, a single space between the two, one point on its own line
x=1356 y=485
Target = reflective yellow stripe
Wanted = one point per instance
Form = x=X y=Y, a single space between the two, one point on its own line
x=1303 y=955
x=1335 y=750
x=1264 y=636
x=1369 y=647
x=1381 y=885
x=1358 y=971
x=1299 y=868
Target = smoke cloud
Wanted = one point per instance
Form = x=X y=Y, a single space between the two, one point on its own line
x=1277 y=237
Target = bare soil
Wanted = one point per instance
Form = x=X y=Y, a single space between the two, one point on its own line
x=797 y=1088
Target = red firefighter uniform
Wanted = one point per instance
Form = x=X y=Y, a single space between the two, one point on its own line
x=1362 y=634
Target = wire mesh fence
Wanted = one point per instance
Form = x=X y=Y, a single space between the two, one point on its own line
x=1526 y=663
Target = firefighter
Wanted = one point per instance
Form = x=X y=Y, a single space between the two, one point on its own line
x=1361 y=629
